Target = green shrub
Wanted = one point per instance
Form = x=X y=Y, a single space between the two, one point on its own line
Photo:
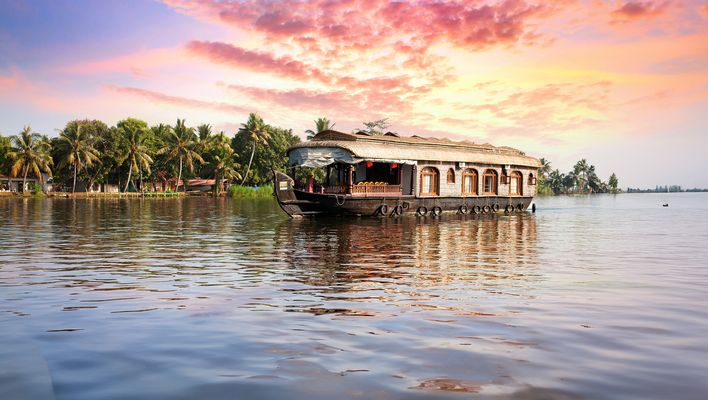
x=36 y=188
x=248 y=192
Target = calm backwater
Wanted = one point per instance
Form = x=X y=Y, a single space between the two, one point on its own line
x=601 y=297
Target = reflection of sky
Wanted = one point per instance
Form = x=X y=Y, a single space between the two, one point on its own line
x=624 y=85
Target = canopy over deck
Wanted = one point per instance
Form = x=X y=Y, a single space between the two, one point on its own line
x=322 y=156
x=329 y=147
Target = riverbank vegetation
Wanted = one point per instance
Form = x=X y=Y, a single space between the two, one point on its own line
x=582 y=179
x=666 y=189
x=250 y=192
x=133 y=156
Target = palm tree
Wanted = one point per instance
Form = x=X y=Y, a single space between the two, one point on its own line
x=160 y=164
x=580 y=170
x=321 y=125
x=545 y=169
x=181 y=144
x=258 y=132
x=5 y=150
x=203 y=138
x=222 y=162
x=76 y=149
x=613 y=182
x=556 y=181
x=30 y=152
x=137 y=153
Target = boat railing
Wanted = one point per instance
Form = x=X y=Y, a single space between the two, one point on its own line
x=364 y=188
x=376 y=188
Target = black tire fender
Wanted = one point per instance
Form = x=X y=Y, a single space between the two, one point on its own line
x=422 y=211
x=436 y=211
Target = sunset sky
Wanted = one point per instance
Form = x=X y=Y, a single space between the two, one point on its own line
x=621 y=83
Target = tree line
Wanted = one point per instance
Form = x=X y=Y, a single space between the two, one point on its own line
x=139 y=157
x=665 y=189
x=581 y=179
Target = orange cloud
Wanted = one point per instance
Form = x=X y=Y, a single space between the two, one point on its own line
x=703 y=10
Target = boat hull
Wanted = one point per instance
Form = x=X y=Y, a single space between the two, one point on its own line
x=297 y=203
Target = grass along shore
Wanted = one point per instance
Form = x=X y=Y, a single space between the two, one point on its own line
x=250 y=192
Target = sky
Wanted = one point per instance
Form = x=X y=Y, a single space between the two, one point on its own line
x=623 y=84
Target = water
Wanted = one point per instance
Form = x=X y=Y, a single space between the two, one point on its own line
x=600 y=297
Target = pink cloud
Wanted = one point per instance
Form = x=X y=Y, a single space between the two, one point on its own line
x=163 y=98
x=363 y=25
x=334 y=101
x=254 y=60
x=8 y=81
x=302 y=99
x=632 y=10
x=228 y=54
x=137 y=64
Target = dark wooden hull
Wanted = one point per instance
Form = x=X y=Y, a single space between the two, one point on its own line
x=298 y=203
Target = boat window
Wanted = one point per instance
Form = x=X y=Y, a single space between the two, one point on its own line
x=429 y=181
x=450 y=175
x=490 y=181
x=515 y=183
x=469 y=181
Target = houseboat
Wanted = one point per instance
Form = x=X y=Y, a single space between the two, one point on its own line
x=360 y=174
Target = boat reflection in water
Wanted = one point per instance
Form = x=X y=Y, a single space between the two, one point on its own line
x=457 y=257
x=439 y=295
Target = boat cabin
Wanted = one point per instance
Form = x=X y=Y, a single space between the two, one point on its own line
x=363 y=165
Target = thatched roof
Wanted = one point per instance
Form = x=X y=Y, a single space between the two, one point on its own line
x=386 y=147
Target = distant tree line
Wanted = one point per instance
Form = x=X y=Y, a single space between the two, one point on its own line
x=581 y=179
x=665 y=189
x=139 y=157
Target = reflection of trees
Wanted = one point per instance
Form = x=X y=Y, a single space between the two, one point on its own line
x=342 y=254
